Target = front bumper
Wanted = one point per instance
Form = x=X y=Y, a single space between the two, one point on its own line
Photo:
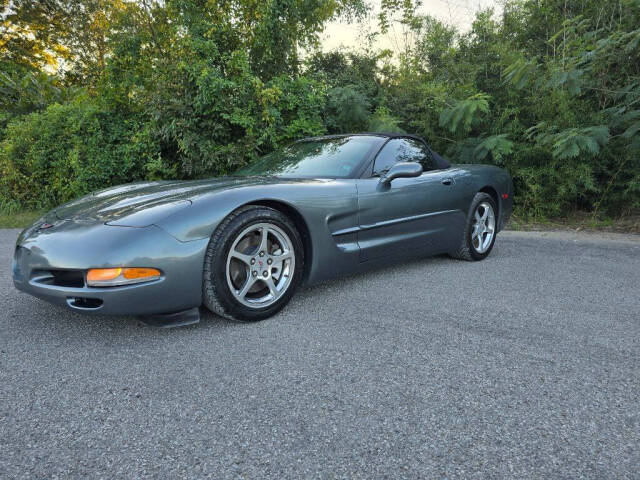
x=70 y=247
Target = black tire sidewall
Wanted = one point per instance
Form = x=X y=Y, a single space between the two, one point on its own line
x=479 y=198
x=223 y=242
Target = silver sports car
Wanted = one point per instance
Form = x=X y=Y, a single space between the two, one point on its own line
x=242 y=244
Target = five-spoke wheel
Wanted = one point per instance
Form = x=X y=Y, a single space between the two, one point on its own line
x=253 y=264
x=484 y=227
x=480 y=230
x=260 y=265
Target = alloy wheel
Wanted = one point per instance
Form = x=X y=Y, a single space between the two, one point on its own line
x=260 y=265
x=484 y=227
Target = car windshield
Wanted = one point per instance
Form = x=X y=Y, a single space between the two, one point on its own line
x=317 y=158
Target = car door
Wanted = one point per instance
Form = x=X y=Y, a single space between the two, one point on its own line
x=411 y=214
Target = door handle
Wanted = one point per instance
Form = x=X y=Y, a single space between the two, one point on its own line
x=447 y=181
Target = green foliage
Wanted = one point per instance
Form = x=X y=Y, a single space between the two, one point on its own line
x=460 y=117
x=98 y=92
x=383 y=121
x=571 y=142
x=52 y=156
x=563 y=94
x=210 y=123
x=571 y=80
x=347 y=110
x=24 y=93
x=340 y=69
x=520 y=73
x=498 y=146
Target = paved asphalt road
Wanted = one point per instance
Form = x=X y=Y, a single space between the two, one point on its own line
x=524 y=365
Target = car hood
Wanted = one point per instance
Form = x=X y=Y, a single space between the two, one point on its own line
x=142 y=204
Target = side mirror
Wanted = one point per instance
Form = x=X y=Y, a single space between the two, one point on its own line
x=402 y=170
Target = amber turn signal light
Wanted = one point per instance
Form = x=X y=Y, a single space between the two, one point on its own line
x=108 y=277
x=137 y=273
x=102 y=274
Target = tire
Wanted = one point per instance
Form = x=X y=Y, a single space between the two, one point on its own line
x=253 y=264
x=475 y=244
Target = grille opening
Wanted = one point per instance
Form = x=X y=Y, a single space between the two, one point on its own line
x=84 y=303
x=67 y=278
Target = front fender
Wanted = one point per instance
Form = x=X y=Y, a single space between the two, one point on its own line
x=200 y=220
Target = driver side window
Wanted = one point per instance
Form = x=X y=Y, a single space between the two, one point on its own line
x=402 y=150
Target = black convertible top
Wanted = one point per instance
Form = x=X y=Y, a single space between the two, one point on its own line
x=437 y=158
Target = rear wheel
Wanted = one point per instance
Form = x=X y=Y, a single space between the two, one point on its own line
x=480 y=231
x=253 y=264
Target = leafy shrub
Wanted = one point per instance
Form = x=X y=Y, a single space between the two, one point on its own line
x=189 y=89
x=214 y=115
x=347 y=110
x=383 y=121
x=52 y=156
x=461 y=116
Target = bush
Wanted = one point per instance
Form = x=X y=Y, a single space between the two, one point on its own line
x=49 y=157
x=210 y=123
x=347 y=110
x=186 y=89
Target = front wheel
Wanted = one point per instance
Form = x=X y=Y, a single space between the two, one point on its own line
x=480 y=231
x=253 y=264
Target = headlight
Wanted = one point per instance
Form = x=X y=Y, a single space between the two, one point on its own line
x=110 y=277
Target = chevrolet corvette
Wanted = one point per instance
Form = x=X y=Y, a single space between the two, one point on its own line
x=241 y=244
